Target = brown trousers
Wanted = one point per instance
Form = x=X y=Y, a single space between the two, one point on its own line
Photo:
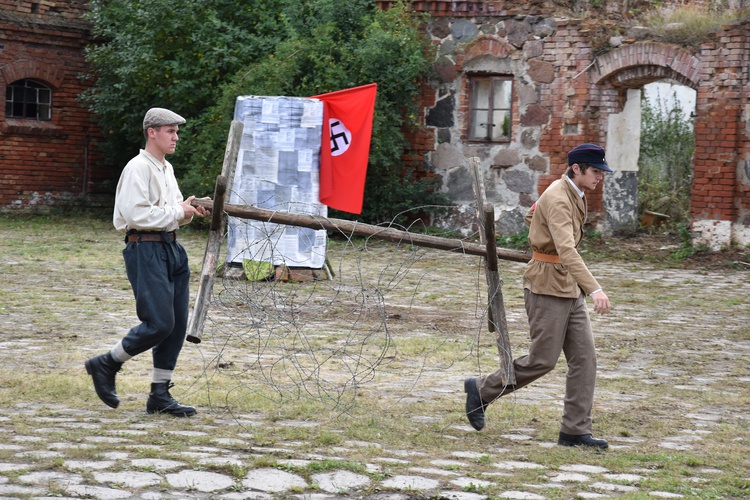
x=556 y=325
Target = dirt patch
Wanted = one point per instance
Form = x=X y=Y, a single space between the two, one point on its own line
x=669 y=250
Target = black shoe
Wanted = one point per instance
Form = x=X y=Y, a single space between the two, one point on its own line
x=474 y=404
x=103 y=369
x=160 y=401
x=582 y=440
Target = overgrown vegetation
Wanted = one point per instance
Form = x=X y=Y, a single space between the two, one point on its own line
x=197 y=56
x=665 y=164
x=686 y=248
x=688 y=26
x=517 y=241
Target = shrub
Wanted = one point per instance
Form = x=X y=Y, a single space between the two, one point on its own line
x=665 y=161
x=197 y=56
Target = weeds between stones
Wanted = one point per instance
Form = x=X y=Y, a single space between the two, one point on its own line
x=671 y=394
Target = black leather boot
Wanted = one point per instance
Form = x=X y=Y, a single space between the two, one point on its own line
x=582 y=440
x=160 y=401
x=474 y=405
x=103 y=369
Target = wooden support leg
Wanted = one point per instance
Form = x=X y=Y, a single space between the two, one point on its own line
x=215 y=235
x=495 y=297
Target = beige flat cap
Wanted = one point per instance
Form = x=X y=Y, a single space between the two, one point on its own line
x=156 y=117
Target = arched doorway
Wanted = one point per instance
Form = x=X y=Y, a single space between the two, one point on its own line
x=629 y=69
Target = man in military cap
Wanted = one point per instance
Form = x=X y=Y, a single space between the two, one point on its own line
x=556 y=283
x=149 y=209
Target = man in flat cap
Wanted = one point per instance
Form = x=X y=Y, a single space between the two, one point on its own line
x=556 y=283
x=149 y=208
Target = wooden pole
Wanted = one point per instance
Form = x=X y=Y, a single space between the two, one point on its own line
x=481 y=197
x=361 y=229
x=217 y=215
x=479 y=194
x=498 y=322
x=215 y=234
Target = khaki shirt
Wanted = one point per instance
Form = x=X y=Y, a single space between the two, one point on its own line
x=147 y=196
x=556 y=228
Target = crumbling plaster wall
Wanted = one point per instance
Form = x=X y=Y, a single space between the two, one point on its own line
x=567 y=90
x=620 y=191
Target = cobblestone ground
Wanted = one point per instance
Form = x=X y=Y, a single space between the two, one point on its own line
x=673 y=379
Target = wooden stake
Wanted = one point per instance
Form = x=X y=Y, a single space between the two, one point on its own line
x=481 y=197
x=215 y=234
x=498 y=322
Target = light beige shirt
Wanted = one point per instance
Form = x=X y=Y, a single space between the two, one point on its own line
x=147 y=196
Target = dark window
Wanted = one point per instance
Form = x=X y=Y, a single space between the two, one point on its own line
x=490 y=117
x=28 y=99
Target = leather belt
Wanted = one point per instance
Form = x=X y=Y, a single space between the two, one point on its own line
x=546 y=257
x=148 y=236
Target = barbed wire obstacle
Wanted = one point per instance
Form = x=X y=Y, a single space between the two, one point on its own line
x=390 y=315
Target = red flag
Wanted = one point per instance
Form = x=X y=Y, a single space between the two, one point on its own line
x=345 y=149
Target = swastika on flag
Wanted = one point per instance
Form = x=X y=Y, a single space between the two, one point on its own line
x=347 y=127
x=341 y=137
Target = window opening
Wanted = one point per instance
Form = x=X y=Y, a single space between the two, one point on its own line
x=490 y=117
x=28 y=99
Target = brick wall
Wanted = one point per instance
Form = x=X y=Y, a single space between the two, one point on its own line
x=574 y=103
x=742 y=185
x=720 y=200
x=588 y=85
x=47 y=11
x=564 y=93
x=47 y=162
x=719 y=140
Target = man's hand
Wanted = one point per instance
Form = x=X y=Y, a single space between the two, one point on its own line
x=602 y=304
x=191 y=210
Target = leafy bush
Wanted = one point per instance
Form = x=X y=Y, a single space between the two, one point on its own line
x=172 y=55
x=665 y=162
x=519 y=241
x=197 y=56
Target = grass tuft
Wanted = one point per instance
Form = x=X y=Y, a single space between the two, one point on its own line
x=687 y=25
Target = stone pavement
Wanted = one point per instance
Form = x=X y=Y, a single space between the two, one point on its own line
x=128 y=471
x=673 y=372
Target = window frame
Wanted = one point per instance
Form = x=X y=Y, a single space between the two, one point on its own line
x=489 y=112
x=35 y=100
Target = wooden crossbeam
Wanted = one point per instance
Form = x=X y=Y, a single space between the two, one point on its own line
x=347 y=227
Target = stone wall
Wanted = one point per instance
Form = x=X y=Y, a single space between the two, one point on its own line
x=575 y=83
x=45 y=163
x=554 y=105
